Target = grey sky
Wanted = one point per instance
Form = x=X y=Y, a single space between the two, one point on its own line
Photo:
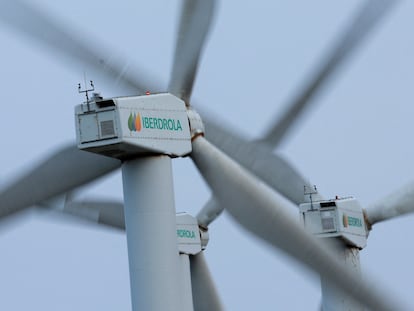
x=356 y=142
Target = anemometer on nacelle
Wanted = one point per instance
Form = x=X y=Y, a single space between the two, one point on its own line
x=338 y=218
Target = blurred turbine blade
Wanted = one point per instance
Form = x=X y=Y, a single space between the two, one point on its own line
x=195 y=22
x=61 y=172
x=108 y=213
x=262 y=211
x=399 y=203
x=57 y=202
x=259 y=159
x=209 y=212
x=51 y=33
x=205 y=296
x=359 y=28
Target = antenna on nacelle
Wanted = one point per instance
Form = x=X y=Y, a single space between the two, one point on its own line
x=308 y=192
x=86 y=90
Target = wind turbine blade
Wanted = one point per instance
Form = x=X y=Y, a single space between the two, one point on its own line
x=259 y=159
x=61 y=172
x=51 y=33
x=263 y=212
x=195 y=22
x=205 y=296
x=359 y=28
x=210 y=211
x=109 y=213
x=396 y=204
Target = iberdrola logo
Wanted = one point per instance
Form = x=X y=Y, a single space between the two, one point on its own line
x=134 y=122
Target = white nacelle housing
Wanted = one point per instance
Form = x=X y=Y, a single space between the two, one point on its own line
x=191 y=240
x=126 y=127
x=342 y=218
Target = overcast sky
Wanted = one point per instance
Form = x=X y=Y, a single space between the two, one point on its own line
x=357 y=141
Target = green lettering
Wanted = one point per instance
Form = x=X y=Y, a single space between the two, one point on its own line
x=161 y=124
x=170 y=124
x=146 y=122
x=185 y=234
x=355 y=222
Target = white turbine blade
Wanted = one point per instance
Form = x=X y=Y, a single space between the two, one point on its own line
x=195 y=22
x=51 y=33
x=109 y=213
x=210 y=211
x=359 y=28
x=259 y=159
x=263 y=212
x=64 y=170
x=205 y=296
x=396 y=204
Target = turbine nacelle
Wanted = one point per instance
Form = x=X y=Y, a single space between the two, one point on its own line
x=128 y=127
x=191 y=240
x=339 y=218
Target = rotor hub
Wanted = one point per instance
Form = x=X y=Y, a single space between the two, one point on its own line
x=196 y=123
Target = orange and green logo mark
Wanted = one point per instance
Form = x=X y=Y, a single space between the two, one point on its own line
x=134 y=122
x=351 y=221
